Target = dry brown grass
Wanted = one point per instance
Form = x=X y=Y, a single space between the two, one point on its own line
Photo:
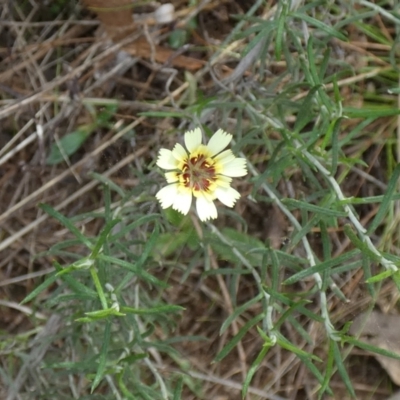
x=53 y=73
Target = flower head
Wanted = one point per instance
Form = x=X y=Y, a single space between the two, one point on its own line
x=202 y=171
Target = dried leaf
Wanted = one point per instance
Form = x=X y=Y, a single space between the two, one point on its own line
x=382 y=331
x=115 y=15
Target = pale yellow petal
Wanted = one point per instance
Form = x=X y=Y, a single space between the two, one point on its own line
x=172 y=176
x=208 y=195
x=179 y=152
x=234 y=168
x=166 y=196
x=223 y=181
x=227 y=196
x=225 y=157
x=206 y=209
x=183 y=200
x=166 y=160
x=193 y=139
x=219 y=141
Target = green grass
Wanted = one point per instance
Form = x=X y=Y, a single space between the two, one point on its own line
x=304 y=122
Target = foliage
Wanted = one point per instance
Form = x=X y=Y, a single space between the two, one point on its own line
x=302 y=141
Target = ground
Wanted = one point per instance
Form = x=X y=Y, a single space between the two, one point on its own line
x=310 y=94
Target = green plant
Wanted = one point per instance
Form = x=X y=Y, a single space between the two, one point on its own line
x=304 y=141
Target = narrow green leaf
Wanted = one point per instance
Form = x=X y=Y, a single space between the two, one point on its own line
x=66 y=298
x=132 y=267
x=69 y=143
x=253 y=368
x=366 y=266
x=150 y=245
x=298 y=326
x=103 y=237
x=226 y=271
x=319 y=24
x=307 y=170
x=360 y=244
x=324 y=64
x=107 y=202
x=295 y=305
x=368 y=200
x=302 y=205
x=127 y=392
x=327 y=138
x=387 y=199
x=336 y=91
x=275 y=273
x=97 y=315
x=314 y=370
x=236 y=339
x=268 y=340
x=268 y=28
x=65 y=244
x=140 y=221
x=73 y=284
x=335 y=145
x=396 y=280
x=82 y=264
x=132 y=358
x=376 y=112
x=380 y=277
x=280 y=31
x=321 y=267
x=373 y=32
x=328 y=370
x=178 y=389
x=44 y=285
x=286 y=344
x=251 y=30
x=162 y=114
x=103 y=356
x=314 y=72
x=239 y=311
x=152 y=310
x=342 y=369
x=311 y=62
x=373 y=349
x=73 y=367
x=345 y=268
x=67 y=223
x=305 y=113
x=99 y=287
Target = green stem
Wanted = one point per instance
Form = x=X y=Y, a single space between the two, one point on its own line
x=99 y=288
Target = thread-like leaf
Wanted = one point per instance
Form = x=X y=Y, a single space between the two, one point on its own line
x=319 y=24
x=387 y=199
x=236 y=339
x=239 y=311
x=103 y=356
x=342 y=369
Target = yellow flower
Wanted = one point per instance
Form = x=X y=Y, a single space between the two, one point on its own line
x=203 y=171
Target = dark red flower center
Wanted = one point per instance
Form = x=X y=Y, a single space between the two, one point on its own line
x=198 y=173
